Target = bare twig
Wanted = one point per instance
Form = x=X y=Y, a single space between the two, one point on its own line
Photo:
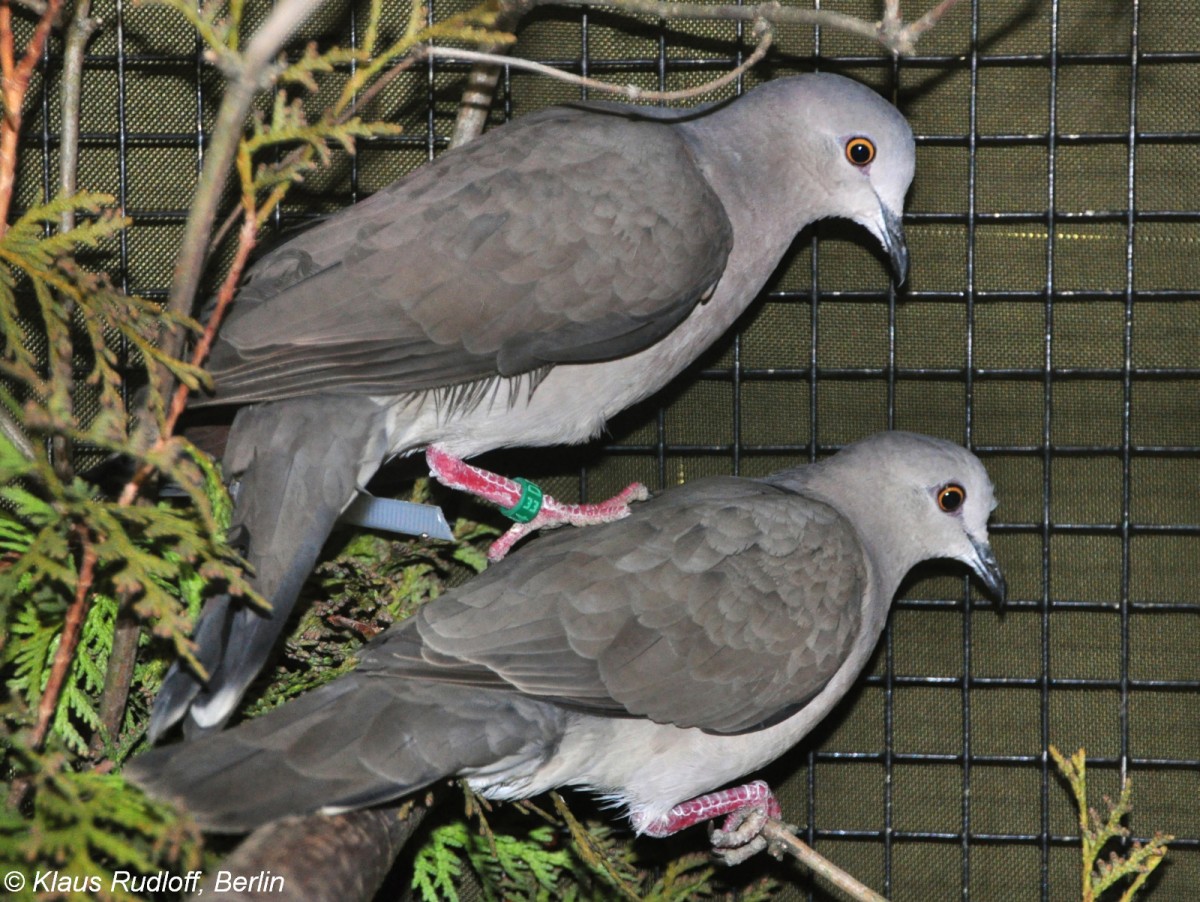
x=118 y=677
x=777 y=833
x=633 y=92
x=15 y=434
x=15 y=84
x=891 y=31
x=83 y=26
x=930 y=19
x=38 y=7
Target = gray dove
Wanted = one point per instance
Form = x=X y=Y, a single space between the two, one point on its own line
x=518 y=291
x=650 y=660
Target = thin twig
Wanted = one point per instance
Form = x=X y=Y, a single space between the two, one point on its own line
x=891 y=32
x=15 y=84
x=777 y=833
x=81 y=29
x=15 y=434
x=65 y=653
x=633 y=92
x=771 y=12
x=930 y=19
x=118 y=678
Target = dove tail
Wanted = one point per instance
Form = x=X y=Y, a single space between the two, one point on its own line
x=361 y=740
x=294 y=466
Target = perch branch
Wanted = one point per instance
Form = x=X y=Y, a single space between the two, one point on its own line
x=779 y=836
x=477 y=97
x=324 y=859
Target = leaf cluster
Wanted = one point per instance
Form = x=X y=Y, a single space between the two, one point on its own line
x=1096 y=832
x=85 y=826
x=559 y=858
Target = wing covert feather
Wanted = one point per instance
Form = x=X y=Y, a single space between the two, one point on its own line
x=565 y=237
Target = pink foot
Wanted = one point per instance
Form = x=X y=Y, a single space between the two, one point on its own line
x=746 y=808
x=715 y=804
x=524 y=502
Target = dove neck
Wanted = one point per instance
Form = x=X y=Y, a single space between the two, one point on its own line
x=762 y=166
x=891 y=554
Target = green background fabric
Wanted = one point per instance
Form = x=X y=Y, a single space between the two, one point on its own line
x=1051 y=320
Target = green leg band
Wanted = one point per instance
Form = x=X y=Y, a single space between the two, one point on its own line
x=529 y=505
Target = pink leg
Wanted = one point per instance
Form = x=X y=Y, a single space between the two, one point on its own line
x=730 y=802
x=454 y=473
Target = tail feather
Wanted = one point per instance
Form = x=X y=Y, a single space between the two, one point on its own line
x=363 y=739
x=295 y=465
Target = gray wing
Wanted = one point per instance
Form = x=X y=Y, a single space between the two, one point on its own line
x=569 y=236
x=723 y=605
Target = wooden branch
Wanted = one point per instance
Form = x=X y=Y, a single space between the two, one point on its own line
x=83 y=26
x=320 y=859
x=15 y=83
x=779 y=836
x=118 y=678
x=480 y=91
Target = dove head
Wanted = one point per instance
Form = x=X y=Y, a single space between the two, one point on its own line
x=851 y=154
x=914 y=498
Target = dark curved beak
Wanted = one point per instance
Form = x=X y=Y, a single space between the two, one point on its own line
x=894 y=244
x=988 y=571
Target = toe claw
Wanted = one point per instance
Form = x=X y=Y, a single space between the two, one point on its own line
x=740 y=837
x=730 y=857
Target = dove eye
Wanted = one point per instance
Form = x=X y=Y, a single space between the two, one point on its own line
x=860 y=151
x=950 y=497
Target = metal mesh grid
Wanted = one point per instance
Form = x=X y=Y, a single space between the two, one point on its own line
x=1049 y=324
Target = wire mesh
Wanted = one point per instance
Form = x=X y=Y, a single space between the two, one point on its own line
x=1050 y=324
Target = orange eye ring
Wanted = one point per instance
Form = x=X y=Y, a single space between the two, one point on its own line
x=860 y=151
x=951 y=497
